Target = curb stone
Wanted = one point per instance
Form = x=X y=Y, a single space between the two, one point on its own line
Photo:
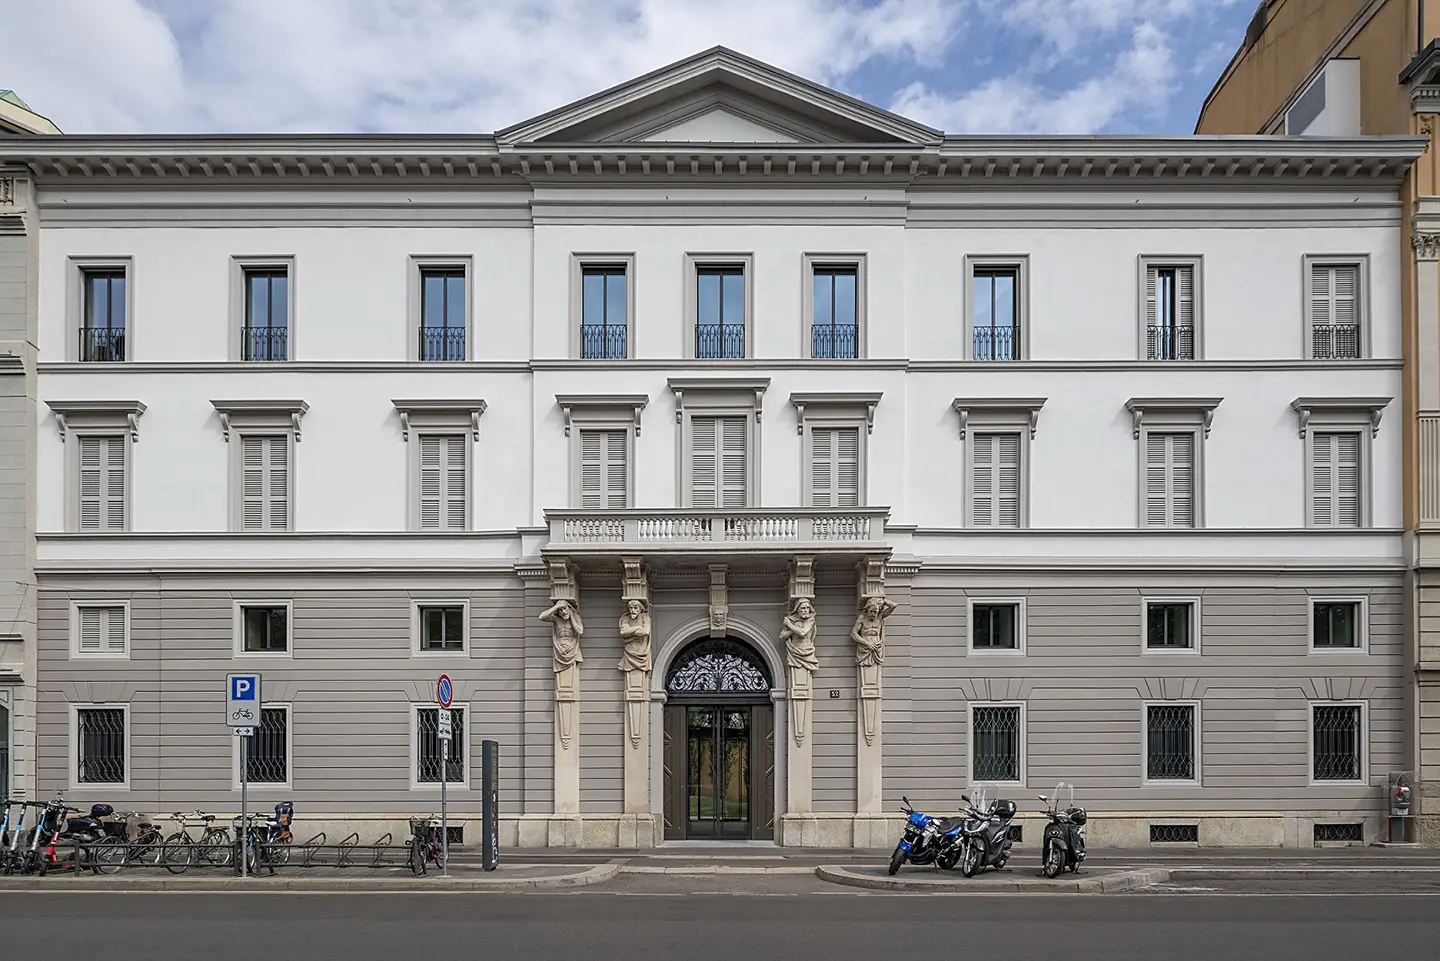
x=1123 y=881
x=715 y=869
x=1301 y=874
x=593 y=875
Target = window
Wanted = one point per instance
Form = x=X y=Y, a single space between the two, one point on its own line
x=1170 y=742
x=995 y=294
x=996 y=743
x=721 y=303
x=1338 y=625
x=265 y=329
x=1169 y=479
x=1337 y=742
x=1171 y=309
x=103 y=483
x=105 y=313
x=834 y=310
x=100 y=630
x=604 y=311
x=443 y=482
x=264 y=628
x=429 y=757
x=604 y=469
x=267 y=751
x=102 y=742
x=1335 y=479
x=996 y=626
x=718 y=473
x=1170 y=625
x=443 y=312
x=1335 y=307
x=995 y=480
x=442 y=627
x=835 y=466
x=265 y=482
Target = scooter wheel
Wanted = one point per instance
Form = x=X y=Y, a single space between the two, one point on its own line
x=970 y=861
x=897 y=859
x=1054 y=862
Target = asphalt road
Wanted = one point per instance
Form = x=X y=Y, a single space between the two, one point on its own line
x=711 y=927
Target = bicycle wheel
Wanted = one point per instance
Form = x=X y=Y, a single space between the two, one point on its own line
x=216 y=848
x=177 y=853
x=417 y=857
x=108 y=855
x=279 y=852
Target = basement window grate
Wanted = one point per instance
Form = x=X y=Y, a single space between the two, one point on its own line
x=454 y=836
x=1017 y=833
x=1339 y=832
x=1174 y=834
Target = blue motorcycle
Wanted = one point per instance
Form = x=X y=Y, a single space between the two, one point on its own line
x=924 y=838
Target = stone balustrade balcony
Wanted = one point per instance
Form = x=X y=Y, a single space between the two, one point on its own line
x=718 y=531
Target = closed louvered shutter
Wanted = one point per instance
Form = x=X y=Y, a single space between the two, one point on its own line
x=102 y=483
x=835 y=467
x=265 y=483
x=603 y=469
x=1335 y=479
x=1169 y=480
x=443 y=482
x=1333 y=289
x=1185 y=304
x=718 y=462
x=102 y=630
x=995 y=480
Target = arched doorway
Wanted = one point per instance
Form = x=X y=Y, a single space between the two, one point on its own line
x=719 y=743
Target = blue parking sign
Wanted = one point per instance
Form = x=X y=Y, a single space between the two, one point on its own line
x=242 y=700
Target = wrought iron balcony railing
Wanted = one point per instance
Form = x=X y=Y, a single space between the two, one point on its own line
x=1169 y=343
x=598 y=342
x=997 y=343
x=834 y=341
x=1335 y=341
x=720 y=341
x=265 y=343
x=442 y=343
x=102 y=344
x=696 y=529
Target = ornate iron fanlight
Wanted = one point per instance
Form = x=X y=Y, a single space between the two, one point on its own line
x=718 y=666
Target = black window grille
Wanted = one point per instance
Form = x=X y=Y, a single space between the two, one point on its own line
x=1017 y=833
x=1174 y=834
x=267 y=753
x=266 y=629
x=835 y=312
x=102 y=331
x=1170 y=742
x=1337 y=748
x=995 y=313
x=604 y=305
x=995 y=740
x=267 y=313
x=442 y=313
x=428 y=756
x=1335 y=341
x=1337 y=624
x=1169 y=625
x=993 y=627
x=442 y=628
x=101 y=752
x=718 y=666
x=1339 y=832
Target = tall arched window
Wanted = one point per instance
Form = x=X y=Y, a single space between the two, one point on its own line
x=718 y=666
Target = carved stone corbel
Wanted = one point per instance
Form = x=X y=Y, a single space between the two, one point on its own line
x=1426 y=246
x=719 y=601
x=797 y=634
x=635 y=636
x=873 y=607
x=563 y=616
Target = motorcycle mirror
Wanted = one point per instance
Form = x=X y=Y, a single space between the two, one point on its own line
x=1042 y=797
x=905 y=799
x=965 y=797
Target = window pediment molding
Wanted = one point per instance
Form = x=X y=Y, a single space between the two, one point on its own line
x=1172 y=411
x=582 y=407
x=240 y=414
x=1353 y=412
x=836 y=403
x=700 y=392
x=439 y=413
x=978 y=412
x=122 y=414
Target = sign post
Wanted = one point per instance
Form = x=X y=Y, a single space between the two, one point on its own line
x=242 y=714
x=444 y=694
x=490 y=803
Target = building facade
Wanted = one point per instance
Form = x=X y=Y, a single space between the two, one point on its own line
x=1342 y=68
x=748 y=456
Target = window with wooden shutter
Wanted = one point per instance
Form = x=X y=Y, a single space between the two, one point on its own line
x=995 y=480
x=443 y=485
x=1335 y=479
x=604 y=469
x=1169 y=480
x=102 y=483
x=265 y=482
x=1335 y=311
x=1170 y=312
x=102 y=631
x=835 y=467
x=718 y=461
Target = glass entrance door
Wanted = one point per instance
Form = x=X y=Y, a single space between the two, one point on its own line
x=718 y=775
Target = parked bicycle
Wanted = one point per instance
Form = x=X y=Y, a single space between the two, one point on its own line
x=146 y=847
x=182 y=849
x=424 y=844
x=269 y=839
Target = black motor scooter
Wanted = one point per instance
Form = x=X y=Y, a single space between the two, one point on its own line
x=987 y=838
x=1063 y=845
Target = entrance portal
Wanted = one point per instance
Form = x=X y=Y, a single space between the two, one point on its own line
x=719 y=743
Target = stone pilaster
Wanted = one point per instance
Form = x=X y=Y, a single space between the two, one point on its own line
x=799 y=744
x=872 y=608
x=637 y=693
x=565 y=592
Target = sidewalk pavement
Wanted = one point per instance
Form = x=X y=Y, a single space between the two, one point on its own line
x=462 y=878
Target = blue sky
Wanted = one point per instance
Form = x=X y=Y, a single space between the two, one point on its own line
x=966 y=66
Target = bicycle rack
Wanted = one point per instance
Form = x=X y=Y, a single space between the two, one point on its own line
x=347 y=848
x=379 y=850
x=310 y=849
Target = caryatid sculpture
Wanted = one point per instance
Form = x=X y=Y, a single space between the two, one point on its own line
x=869 y=637
x=564 y=620
x=635 y=663
x=798 y=634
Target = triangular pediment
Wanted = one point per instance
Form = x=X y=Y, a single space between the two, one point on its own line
x=719 y=97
